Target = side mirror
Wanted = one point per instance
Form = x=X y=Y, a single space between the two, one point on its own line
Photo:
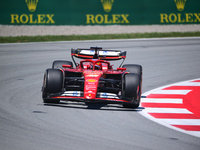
x=66 y=66
x=121 y=69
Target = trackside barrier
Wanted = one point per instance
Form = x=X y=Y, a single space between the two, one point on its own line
x=99 y=12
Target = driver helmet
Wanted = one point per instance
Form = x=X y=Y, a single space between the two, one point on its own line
x=98 y=66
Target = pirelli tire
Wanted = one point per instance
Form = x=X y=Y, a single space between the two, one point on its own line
x=133 y=68
x=57 y=64
x=131 y=89
x=53 y=83
x=137 y=69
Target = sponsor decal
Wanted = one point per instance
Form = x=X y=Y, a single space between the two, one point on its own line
x=75 y=93
x=180 y=17
x=104 y=95
x=32 y=18
x=180 y=4
x=107 y=18
x=90 y=87
x=72 y=93
x=105 y=52
x=32 y=5
x=92 y=75
x=92 y=52
x=107 y=5
x=108 y=95
x=91 y=80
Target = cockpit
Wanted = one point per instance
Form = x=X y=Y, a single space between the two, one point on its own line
x=95 y=64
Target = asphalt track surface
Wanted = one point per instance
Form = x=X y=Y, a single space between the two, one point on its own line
x=27 y=124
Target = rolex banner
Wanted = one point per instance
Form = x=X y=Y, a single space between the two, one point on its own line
x=99 y=12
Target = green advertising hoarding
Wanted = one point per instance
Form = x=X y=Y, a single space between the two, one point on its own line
x=99 y=12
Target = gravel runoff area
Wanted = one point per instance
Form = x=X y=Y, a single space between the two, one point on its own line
x=29 y=30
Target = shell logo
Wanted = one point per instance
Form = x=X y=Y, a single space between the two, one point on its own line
x=91 y=80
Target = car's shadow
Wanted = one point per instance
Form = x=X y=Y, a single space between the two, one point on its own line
x=93 y=106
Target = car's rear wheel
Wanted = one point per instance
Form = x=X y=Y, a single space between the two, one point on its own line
x=53 y=83
x=131 y=89
x=57 y=64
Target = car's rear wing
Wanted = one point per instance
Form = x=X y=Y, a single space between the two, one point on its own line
x=98 y=53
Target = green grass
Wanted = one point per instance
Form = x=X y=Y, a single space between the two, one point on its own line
x=95 y=37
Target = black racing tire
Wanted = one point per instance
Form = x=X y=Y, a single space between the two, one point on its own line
x=133 y=68
x=131 y=89
x=57 y=64
x=137 y=69
x=53 y=83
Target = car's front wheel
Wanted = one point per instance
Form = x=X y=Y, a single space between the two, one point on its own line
x=131 y=89
x=53 y=83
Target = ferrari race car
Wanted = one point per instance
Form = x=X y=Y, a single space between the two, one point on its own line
x=93 y=80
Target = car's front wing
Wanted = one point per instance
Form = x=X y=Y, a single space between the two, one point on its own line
x=79 y=97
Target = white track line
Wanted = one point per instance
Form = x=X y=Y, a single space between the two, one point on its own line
x=167 y=110
x=177 y=92
x=181 y=121
x=162 y=100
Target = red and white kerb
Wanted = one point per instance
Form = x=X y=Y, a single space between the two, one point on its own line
x=176 y=106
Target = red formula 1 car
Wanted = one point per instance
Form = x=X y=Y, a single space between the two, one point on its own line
x=93 y=79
